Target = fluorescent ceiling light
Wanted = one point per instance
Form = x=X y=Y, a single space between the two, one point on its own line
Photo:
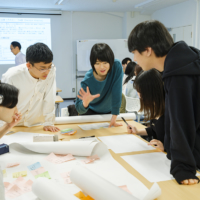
x=143 y=3
x=59 y=2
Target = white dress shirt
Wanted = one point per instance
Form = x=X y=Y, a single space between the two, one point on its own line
x=20 y=58
x=36 y=100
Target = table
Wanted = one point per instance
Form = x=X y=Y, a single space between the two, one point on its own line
x=58 y=101
x=58 y=90
x=171 y=190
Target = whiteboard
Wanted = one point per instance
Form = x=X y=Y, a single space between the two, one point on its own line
x=119 y=47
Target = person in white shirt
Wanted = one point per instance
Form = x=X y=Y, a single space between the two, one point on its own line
x=132 y=70
x=36 y=82
x=15 y=48
x=125 y=62
x=10 y=115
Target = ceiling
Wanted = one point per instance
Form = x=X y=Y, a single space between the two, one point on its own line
x=89 y=5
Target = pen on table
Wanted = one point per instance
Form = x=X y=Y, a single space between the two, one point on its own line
x=126 y=122
x=87 y=137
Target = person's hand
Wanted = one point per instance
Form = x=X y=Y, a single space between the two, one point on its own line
x=16 y=119
x=132 y=129
x=157 y=143
x=189 y=182
x=86 y=97
x=51 y=128
x=113 y=122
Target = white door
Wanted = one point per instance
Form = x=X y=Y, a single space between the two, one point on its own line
x=183 y=33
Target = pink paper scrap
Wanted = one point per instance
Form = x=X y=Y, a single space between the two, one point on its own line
x=66 y=177
x=124 y=187
x=91 y=159
x=38 y=171
x=12 y=165
x=59 y=159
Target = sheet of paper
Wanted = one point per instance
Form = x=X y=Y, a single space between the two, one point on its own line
x=45 y=174
x=34 y=166
x=93 y=118
x=125 y=143
x=19 y=174
x=94 y=126
x=155 y=167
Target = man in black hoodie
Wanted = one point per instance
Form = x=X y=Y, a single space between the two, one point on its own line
x=153 y=47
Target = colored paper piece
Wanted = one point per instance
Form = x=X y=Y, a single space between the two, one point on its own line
x=27 y=187
x=38 y=171
x=19 y=174
x=45 y=174
x=66 y=177
x=4 y=173
x=91 y=159
x=59 y=159
x=12 y=165
x=124 y=187
x=67 y=130
x=34 y=166
x=69 y=133
x=80 y=195
x=6 y=185
x=14 y=192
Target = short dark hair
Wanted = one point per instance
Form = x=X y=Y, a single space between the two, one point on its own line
x=101 y=52
x=152 y=97
x=16 y=44
x=150 y=34
x=9 y=95
x=130 y=71
x=125 y=60
x=39 y=52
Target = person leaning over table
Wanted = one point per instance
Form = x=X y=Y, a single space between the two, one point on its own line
x=101 y=88
x=150 y=89
x=8 y=114
x=36 y=81
x=153 y=47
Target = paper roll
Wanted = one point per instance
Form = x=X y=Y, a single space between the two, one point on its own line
x=76 y=148
x=46 y=189
x=97 y=187
x=92 y=118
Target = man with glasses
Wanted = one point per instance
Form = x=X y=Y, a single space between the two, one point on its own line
x=36 y=82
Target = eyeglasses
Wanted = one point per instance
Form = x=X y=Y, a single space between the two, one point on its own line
x=44 y=70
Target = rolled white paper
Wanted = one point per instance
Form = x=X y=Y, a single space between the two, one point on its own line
x=46 y=189
x=97 y=187
x=92 y=118
x=76 y=148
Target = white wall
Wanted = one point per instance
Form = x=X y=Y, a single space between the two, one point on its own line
x=72 y=26
x=131 y=19
x=182 y=14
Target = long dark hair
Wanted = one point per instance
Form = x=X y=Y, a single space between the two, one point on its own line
x=152 y=97
x=8 y=95
x=130 y=71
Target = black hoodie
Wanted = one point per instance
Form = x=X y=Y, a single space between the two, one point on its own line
x=181 y=78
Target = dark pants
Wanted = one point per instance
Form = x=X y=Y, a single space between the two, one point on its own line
x=92 y=112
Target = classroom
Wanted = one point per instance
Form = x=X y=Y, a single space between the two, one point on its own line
x=99 y=100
